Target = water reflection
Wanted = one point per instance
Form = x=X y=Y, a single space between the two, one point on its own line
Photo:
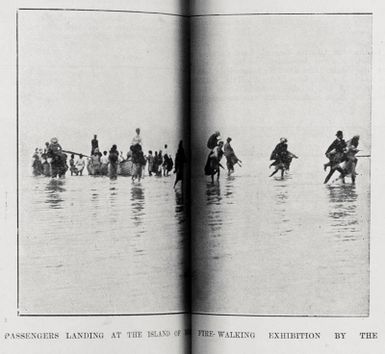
x=213 y=193
x=137 y=203
x=229 y=188
x=284 y=225
x=55 y=189
x=113 y=192
x=179 y=207
x=343 y=210
x=214 y=212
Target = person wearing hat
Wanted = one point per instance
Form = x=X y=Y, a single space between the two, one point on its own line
x=335 y=151
x=58 y=159
x=54 y=148
x=336 y=154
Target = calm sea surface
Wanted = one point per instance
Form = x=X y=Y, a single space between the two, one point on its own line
x=269 y=246
x=92 y=245
x=260 y=245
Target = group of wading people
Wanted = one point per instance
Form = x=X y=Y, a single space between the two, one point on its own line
x=52 y=161
x=341 y=155
x=218 y=149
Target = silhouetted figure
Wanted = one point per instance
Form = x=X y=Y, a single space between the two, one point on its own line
x=113 y=159
x=94 y=144
x=336 y=154
x=180 y=160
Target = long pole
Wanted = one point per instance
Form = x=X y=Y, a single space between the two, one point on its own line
x=75 y=153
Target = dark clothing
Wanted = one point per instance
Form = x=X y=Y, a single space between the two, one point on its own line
x=137 y=155
x=37 y=166
x=213 y=162
x=58 y=160
x=180 y=160
x=94 y=145
x=167 y=162
x=279 y=153
x=339 y=145
x=54 y=149
x=113 y=159
x=336 y=152
x=213 y=141
x=59 y=165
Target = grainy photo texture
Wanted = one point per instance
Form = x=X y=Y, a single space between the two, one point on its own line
x=281 y=120
x=101 y=163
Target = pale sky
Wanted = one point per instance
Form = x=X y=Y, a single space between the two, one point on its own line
x=255 y=78
x=260 y=77
x=86 y=73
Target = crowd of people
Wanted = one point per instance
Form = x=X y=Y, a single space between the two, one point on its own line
x=52 y=161
x=341 y=155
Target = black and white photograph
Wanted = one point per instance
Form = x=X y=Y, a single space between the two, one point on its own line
x=281 y=111
x=201 y=176
x=102 y=163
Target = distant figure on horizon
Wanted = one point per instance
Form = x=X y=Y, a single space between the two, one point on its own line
x=282 y=157
x=231 y=158
x=94 y=144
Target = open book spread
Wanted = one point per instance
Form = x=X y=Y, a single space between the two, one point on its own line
x=190 y=178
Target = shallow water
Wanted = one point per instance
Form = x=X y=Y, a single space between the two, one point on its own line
x=281 y=247
x=92 y=245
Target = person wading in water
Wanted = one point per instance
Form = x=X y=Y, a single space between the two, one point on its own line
x=336 y=154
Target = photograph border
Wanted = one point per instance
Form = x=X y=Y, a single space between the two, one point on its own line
x=198 y=313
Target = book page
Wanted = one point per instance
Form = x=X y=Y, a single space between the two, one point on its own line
x=95 y=243
x=284 y=140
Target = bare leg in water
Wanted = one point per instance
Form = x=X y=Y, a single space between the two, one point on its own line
x=274 y=173
x=332 y=170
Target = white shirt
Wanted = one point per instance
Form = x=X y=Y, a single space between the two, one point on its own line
x=104 y=159
x=80 y=163
x=137 y=140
